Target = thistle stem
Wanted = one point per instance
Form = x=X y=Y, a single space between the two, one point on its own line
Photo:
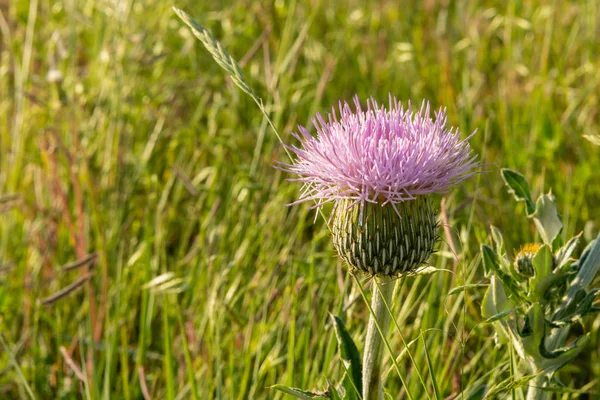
x=379 y=320
x=535 y=391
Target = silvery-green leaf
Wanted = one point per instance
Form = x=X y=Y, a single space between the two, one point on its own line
x=543 y=263
x=555 y=359
x=587 y=267
x=527 y=329
x=537 y=322
x=491 y=263
x=489 y=259
x=498 y=240
x=494 y=302
x=547 y=219
x=558 y=242
x=501 y=301
x=564 y=253
x=577 y=307
x=584 y=255
x=488 y=306
x=588 y=264
x=519 y=187
x=501 y=336
x=495 y=293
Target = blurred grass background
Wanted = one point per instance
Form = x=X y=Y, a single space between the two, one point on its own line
x=120 y=136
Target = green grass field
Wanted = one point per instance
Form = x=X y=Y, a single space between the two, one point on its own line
x=120 y=136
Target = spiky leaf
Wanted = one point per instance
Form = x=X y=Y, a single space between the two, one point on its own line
x=577 y=307
x=547 y=219
x=491 y=262
x=519 y=187
x=564 y=253
x=494 y=300
x=563 y=355
x=498 y=240
x=588 y=264
x=542 y=264
x=587 y=267
x=535 y=325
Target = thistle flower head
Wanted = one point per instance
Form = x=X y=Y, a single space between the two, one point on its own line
x=386 y=161
x=379 y=155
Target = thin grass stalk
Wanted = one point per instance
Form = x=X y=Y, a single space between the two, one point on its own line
x=379 y=321
x=397 y=288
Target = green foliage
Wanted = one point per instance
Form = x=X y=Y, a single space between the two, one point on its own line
x=519 y=187
x=545 y=302
x=547 y=219
x=436 y=388
x=122 y=136
x=349 y=354
x=299 y=393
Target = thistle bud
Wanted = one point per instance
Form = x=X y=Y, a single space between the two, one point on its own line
x=389 y=240
x=524 y=259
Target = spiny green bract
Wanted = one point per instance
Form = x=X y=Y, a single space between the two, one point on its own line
x=378 y=240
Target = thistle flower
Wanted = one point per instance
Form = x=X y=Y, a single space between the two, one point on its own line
x=378 y=166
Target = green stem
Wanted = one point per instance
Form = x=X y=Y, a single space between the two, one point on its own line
x=535 y=392
x=379 y=320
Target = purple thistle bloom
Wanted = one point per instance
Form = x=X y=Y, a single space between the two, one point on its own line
x=379 y=156
x=387 y=161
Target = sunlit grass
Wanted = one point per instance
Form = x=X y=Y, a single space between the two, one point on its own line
x=121 y=137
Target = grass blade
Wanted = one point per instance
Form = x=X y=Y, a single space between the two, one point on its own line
x=13 y=361
x=298 y=393
x=436 y=388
